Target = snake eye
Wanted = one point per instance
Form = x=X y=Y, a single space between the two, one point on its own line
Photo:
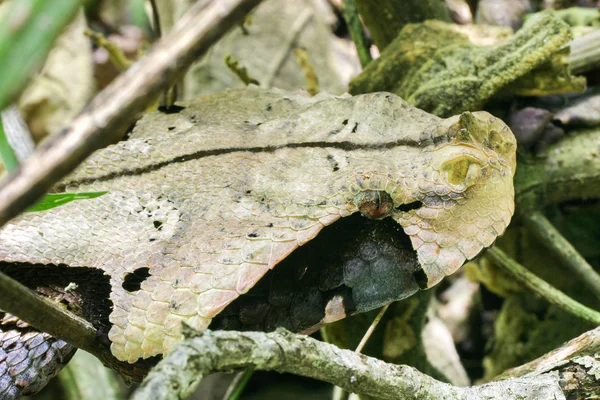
x=462 y=170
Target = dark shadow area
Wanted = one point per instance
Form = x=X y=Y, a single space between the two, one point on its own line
x=354 y=265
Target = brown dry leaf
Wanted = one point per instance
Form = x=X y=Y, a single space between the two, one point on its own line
x=64 y=85
x=441 y=351
x=265 y=48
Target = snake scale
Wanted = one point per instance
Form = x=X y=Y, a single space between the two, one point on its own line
x=233 y=189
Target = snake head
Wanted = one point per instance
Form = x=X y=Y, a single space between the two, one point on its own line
x=467 y=194
x=486 y=132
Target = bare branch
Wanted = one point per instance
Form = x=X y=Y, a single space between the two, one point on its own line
x=182 y=369
x=584 y=344
x=117 y=105
x=577 y=363
x=19 y=300
x=49 y=317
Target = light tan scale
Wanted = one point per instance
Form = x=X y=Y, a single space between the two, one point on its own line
x=212 y=197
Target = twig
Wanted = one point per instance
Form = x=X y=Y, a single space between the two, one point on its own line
x=46 y=315
x=357 y=33
x=178 y=374
x=338 y=393
x=584 y=344
x=542 y=288
x=371 y=329
x=115 y=54
x=564 y=250
x=117 y=105
x=49 y=317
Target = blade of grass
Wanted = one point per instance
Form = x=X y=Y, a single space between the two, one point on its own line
x=28 y=29
x=10 y=161
x=357 y=32
x=238 y=384
x=371 y=329
x=53 y=200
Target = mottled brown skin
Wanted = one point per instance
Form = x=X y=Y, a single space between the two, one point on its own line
x=205 y=202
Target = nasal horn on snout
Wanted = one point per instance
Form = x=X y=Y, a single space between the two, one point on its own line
x=484 y=129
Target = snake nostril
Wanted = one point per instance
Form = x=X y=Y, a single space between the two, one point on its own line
x=410 y=206
x=374 y=204
x=133 y=280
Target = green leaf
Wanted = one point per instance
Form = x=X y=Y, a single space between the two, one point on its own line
x=58 y=199
x=28 y=29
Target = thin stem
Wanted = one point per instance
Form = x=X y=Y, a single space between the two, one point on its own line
x=312 y=81
x=357 y=32
x=239 y=384
x=564 y=250
x=169 y=96
x=371 y=329
x=542 y=288
x=117 y=57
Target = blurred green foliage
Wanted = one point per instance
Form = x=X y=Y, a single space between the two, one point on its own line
x=28 y=29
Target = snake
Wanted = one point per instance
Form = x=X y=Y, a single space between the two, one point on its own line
x=253 y=209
